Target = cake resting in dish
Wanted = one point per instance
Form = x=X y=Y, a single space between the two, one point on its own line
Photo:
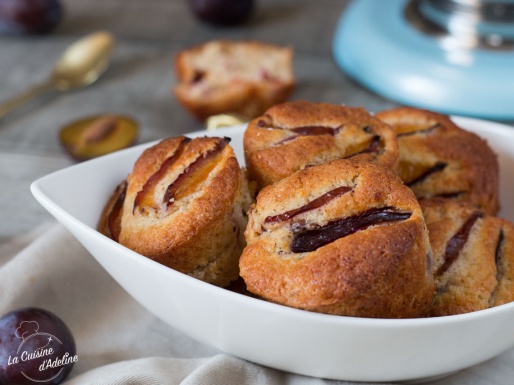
x=473 y=257
x=295 y=135
x=344 y=238
x=184 y=206
x=440 y=159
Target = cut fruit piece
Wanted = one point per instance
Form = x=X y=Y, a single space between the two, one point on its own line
x=371 y=147
x=114 y=217
x=316 y=203
x=413 y=174
x=98 y=135
x=312 y=239
x=457 y=242
x=146 y=197
x=413 y=129
x=196 y=173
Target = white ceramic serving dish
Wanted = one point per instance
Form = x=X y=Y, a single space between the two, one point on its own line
x=297 y=341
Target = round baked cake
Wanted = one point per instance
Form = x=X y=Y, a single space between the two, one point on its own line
x=184 y=207
x=237 y=77
x=473 y=257
x=295 y=135
x=440 y=159
x=344 y=238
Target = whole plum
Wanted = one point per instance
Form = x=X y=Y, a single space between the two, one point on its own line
x=222 y=12
x=35 y=346
x=19 y=17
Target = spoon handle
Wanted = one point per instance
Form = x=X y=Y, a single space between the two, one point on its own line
x=18 y=101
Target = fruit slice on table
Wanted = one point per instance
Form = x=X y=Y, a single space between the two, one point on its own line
x=98 y=135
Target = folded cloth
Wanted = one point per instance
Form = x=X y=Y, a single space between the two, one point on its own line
x=119 y=342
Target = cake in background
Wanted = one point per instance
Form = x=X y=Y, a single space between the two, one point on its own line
x=243 y=78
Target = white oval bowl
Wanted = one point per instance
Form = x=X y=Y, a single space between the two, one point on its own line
x=319 y=345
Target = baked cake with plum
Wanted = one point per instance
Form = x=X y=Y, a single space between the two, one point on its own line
x=473 y=257
x=238 y=77
x=440 y=159
x=184 y=205
x=345 y=238
x=296 y=135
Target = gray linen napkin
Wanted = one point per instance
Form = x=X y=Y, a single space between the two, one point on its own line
x=119 y=342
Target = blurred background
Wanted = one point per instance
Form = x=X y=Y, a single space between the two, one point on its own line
x=140 y=79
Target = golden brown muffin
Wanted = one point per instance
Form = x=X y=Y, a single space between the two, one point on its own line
x=344 y=238
x=473 y=257
x=184 y=207
x=245 y=77
x=295 y=135
x=438 y=158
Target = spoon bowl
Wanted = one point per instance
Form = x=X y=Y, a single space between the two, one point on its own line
x=79 y=66
x=83 y=62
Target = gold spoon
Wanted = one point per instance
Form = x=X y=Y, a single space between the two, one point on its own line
x=79 y=66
